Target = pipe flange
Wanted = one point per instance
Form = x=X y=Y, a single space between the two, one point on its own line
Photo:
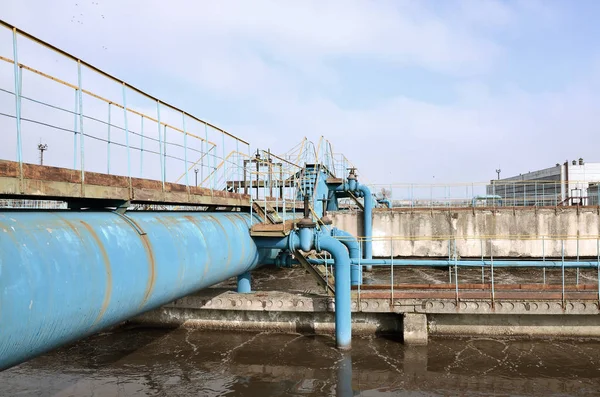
x=306 y=223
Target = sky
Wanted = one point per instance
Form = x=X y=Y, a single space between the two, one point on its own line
x=410 y=91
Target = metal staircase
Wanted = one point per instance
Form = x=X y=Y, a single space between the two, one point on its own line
x=324 y=281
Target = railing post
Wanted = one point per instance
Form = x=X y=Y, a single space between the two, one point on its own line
x=544 y=258
x=75 y=120
x=160 y=147
x=108 y=143
x=492 y=270
x=456 y=272
x=251 y=202
x=359 y=308
x=598 y=266
x=17 y=77
x=165 y=152
x=224 y=162
x=142 y=148
x=187 y=183
x=482 y=262
x=126 y=132
x=577 y=268
x=81 y=140
x=563 y=273
x=449 y=259
x=392 y=269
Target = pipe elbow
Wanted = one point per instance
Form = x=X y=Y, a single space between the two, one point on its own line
x=336 y=248
x=348 y=240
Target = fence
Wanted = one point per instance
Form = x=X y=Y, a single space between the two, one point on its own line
x=496 y=194
x=74 y=115
x=539 y=274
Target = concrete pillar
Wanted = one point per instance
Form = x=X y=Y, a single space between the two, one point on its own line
x=414 y=326
x=243 y=283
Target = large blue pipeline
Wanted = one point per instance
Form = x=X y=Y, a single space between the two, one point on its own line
x=65 y=275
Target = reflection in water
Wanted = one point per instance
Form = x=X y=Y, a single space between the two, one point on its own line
x=153 y=362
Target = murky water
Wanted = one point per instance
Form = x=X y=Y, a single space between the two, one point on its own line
x=296 y=279
x=158 y=362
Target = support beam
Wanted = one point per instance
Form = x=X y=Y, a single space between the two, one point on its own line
x=244 y=283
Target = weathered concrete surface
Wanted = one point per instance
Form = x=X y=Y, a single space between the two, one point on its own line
x=271 y=321
x=506 y=232
x=459 y=325
x=415 y=318
x=414 y=329
x=37 y=181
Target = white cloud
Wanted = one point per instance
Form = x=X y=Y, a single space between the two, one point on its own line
x=279 y=61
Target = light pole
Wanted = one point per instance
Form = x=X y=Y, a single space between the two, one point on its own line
x=196 y=172
x=498 y=172
x=42 y=147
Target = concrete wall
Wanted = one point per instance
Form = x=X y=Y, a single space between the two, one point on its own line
x=507 y=232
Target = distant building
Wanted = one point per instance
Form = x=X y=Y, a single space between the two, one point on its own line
x=574 y=183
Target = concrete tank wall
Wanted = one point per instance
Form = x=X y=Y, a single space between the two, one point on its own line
x=506 y=232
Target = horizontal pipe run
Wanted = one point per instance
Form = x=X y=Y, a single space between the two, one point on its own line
x=463 y=263
x=65 y=275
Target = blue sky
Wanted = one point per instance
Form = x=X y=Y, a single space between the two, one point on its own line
x=407 y=89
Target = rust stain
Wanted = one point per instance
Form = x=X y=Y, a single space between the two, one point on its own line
x=151 y=269
x=107 y=267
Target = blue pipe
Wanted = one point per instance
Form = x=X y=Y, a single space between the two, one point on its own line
x=341 y=258
x=322 y=241
x=466 y=263
x=244 y=283
x=65 y=274
x=487 y=197
x=385 y=201
x=354 y=250
x=368 y=223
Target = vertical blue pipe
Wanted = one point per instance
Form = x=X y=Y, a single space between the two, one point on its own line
x=185 y=151
x=368 y=223
x=17 y=103
x=108 y=144
x=353 y=247
x=160 y=146
x=142 y=148
x=126 y=132
x=244 y=283
x=343 y=324
x=81 y=140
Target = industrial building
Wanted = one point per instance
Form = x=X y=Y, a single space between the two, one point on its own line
x=570 y=183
